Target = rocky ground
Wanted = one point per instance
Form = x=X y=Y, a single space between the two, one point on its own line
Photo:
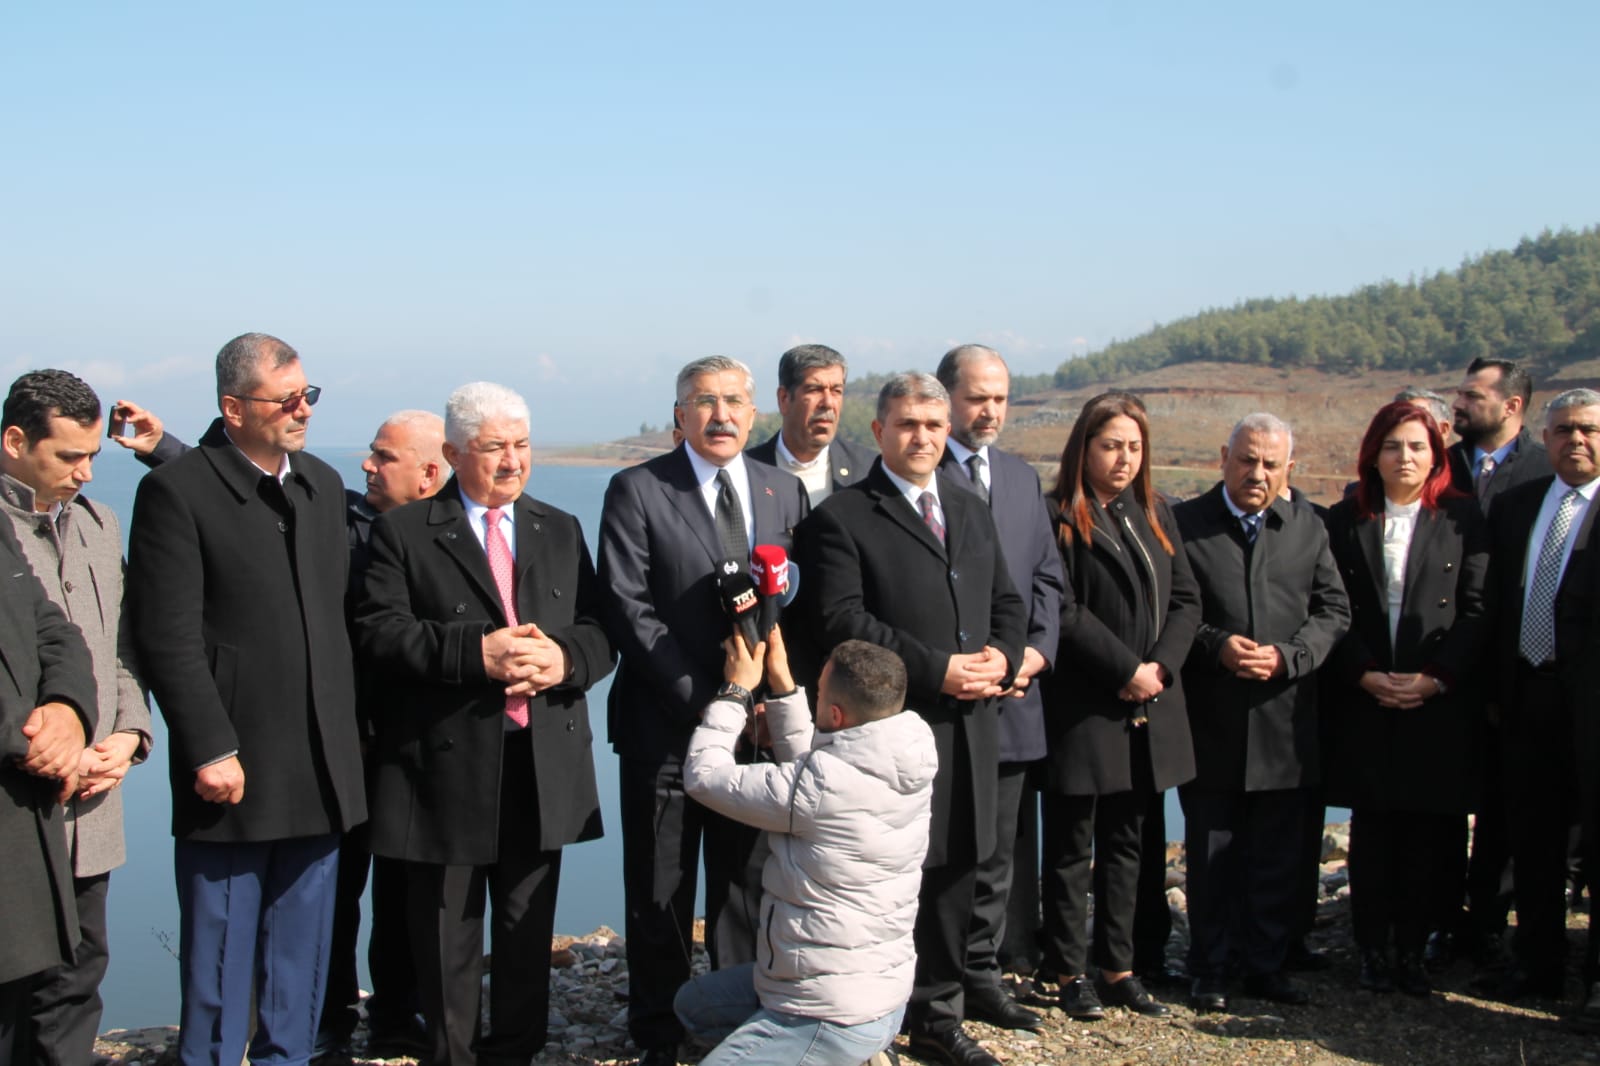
x=1452 y=1027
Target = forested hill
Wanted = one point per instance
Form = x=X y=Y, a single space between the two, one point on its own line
x=1539 y=302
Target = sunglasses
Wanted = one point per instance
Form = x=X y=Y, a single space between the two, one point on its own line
x=290 y=404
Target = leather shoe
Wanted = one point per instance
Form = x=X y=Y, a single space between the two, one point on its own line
x=1440 y=952
x=1129 y=993
x=1208 y=994
x=1409 y=976
x=1079 y=1001
x=951 y=1046
x=1302 y=959
x=664 y=1055
x=1374 y=975
x=994 y=1006
x=1275 y=988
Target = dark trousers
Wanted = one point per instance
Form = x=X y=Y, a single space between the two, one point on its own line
x=1489 y=874
x=1309 y=869
x=1019 y=941
x=944 y=908
x=16 y=1030
x=66 y=1001
x=394 y=977
x=1105 y=829
x=1541 y=793
x=253 y=917
x=446 y=906
x=1399 y=874
x=1152 y=915
x=1244 y=850
x=993 y=883
x=661 y=839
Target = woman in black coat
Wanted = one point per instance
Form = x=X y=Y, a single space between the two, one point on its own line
x=1402 y=716
x=1114 y=712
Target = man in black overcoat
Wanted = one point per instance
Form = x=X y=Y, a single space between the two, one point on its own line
x=1272 y=609
x=979 y=384
x=47 y=708
x=928 y=581
x=475 y=593
x=807 y=445
x=237 y=565
x=668 y=527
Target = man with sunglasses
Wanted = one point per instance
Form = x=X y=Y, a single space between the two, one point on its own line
x=237 y=569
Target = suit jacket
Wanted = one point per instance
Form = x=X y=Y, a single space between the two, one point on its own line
x=1421 y=759
x=79 y=562
x=43 y=659
x=1016 y=503
x=658 y=557
x=1527 y=461
x=1285 y=591
x=1127 y=602
x=429 y=599
x=850 y=462
x=871 y=570
x=236 y=586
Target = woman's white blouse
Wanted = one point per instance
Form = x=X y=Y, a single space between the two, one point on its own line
x=1399 y=523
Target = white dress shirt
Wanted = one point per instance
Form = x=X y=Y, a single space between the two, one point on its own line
x=480 y=528
x=705 y=475
x=1541 y=525
x=1399 y=525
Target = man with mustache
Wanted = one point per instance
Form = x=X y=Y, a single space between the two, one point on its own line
x=1273 y=607
x=810 y=398
x=667 y=529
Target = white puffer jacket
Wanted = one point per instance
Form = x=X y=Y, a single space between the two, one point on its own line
x=847 y=817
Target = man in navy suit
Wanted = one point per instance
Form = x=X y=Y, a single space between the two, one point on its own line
x=667 y=528
x=979 y=383
x=811 y=398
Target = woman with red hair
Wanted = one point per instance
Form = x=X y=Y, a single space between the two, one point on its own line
x=1401 y=716
x=1114 y=713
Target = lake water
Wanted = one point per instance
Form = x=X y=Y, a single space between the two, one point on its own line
x=141 y=987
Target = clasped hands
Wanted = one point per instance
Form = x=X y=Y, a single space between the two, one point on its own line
x=1400 y=691
x=55 y=746
x=525 y=659
x=975 y=675
x=1249 y=661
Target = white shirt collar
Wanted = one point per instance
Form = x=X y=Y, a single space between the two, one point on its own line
x=1237 y=513
x=283 y=462
x=912 y=492
x=1558 y=489
x=788 y=457
x=705 y=470
x=962 y=452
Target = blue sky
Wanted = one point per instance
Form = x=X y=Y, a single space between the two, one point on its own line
x=577 y=199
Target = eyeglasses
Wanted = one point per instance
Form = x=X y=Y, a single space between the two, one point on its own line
x=311 y=394
x=708 y=402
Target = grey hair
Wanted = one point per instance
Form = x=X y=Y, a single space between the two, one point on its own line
x=1569 y=399
x=473 y=404
x=419 y=423
x=1438 y=406
x=960 y=356
x=793 y=364
x=913 y=385
x=241 y=361
x=1262 y=422
x=713 y=364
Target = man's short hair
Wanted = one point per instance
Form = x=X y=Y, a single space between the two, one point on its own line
x=473 y=404
x=1569 y=399
x=867 y=681
x=713 y=364
x=1264 y=423
x=1514 y=381
x=794 y=363
x=239 y=363
x=913 y=385
x=960 y=356
x=1438 y=406
x=40 y=395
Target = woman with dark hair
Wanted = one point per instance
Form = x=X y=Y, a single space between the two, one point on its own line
x=1401 y=718
x=1114 y=713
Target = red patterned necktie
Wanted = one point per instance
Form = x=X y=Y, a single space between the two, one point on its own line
x=930 y=517
x=500 y=566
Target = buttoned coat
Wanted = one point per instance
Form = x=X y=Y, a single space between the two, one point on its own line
x=43 y=659
x=871 y=570
x=1127 y=602
x=848 y=462
x=1422 y=759
x=1016 y=503
x=429 y=599
x=78 y=559
x=1525 y=462
x=1285 y=591
x=236 y=586
x=659 y=555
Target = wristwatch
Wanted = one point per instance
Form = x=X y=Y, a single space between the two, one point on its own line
x=731 y=691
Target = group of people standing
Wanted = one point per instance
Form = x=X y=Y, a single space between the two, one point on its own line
x=395 y=680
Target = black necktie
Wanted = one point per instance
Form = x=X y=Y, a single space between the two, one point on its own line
x=975 y=471
x=730 y=521
x=1252 y=526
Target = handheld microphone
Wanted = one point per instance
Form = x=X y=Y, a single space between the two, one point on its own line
x=740 y=601
x=777 y=580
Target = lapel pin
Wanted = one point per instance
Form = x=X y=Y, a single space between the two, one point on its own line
x=844 y=471
x=769 y=490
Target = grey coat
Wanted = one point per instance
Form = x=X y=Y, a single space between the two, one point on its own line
x=79 y=563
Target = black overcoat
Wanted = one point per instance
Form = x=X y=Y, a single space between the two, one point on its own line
x=871 y=570
x=1110 y=623
x=1284 y=590
x=428 y=600
x=237 y=590
x=1526 y=462
x=1423 y=759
